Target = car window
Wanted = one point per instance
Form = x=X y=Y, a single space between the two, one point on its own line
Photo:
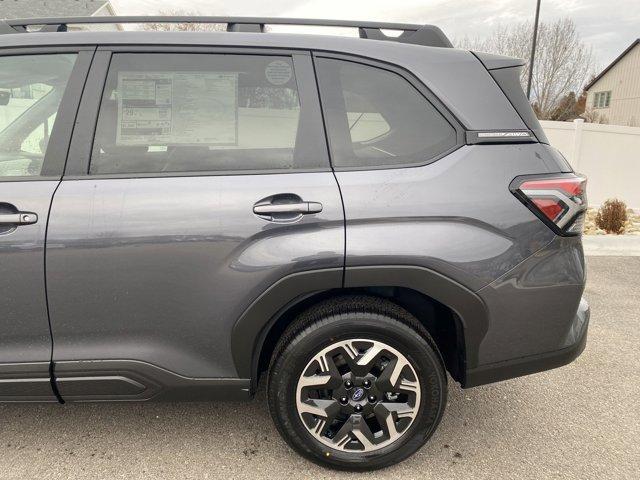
x=200 y=112
x=377 y=118
x=37 y=141
x=364 y=122
x=31 y=88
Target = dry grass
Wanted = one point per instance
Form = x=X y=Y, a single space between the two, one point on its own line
x=632 y=226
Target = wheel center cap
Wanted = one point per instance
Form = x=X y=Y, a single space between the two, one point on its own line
x=358 y=394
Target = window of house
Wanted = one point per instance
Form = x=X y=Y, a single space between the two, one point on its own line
x=376 y=118
x=602 y=99
x=200 y=112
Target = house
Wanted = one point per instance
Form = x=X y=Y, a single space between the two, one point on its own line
x=615 y=93
x=60 y=8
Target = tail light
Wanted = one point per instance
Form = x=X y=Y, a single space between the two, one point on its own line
x=559 y=200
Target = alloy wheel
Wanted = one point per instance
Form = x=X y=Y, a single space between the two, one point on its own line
x=358 y=395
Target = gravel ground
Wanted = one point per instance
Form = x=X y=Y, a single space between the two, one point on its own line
x=579 y=422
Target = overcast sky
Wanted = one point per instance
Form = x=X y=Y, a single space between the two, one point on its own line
x=608 y=25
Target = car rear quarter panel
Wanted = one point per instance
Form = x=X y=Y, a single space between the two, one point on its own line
x=533 y=306
x=456 y=216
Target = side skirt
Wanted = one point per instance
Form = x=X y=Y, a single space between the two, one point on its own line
x=130 y=380
x=25 y=382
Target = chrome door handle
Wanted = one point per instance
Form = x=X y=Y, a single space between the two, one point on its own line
x=20 y=218
x=302 y=208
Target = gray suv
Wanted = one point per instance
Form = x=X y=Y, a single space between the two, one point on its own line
x=348 y=219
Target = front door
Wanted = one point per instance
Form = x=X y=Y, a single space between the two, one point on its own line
x=208 y=182
x=38 y=101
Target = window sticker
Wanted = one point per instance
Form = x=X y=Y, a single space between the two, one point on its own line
x=278 y=72
x=177 y=108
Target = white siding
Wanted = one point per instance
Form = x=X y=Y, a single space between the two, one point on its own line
x=623 y=80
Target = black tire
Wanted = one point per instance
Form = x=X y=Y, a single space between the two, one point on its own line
x=344 y=319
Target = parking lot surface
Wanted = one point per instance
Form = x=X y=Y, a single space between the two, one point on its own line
x=581 y=421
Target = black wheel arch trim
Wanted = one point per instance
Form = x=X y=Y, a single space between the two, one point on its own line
x=251 y=329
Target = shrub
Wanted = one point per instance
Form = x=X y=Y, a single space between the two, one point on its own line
x=612 y=216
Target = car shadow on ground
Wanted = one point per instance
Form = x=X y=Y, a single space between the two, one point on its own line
x=234 y=433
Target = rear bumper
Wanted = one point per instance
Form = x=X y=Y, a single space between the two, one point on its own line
x=518 y=367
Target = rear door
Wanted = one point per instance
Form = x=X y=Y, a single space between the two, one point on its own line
x=39 y=94
x=206 y=181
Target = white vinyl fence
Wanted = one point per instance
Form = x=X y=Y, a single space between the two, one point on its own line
x=609 y=155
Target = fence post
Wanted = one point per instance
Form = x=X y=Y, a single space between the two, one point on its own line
x=578 y=123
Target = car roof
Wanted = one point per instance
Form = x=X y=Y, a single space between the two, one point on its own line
x=241 y=39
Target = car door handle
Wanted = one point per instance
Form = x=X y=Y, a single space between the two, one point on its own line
x=20 y=218
x=302 y=208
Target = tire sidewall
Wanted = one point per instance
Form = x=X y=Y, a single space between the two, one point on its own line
x=298 y=353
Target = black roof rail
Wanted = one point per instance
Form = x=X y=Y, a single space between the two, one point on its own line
x=428 y=35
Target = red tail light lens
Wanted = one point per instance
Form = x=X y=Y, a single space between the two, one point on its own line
x=560 y=201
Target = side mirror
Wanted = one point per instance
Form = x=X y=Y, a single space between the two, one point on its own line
x=4 y=98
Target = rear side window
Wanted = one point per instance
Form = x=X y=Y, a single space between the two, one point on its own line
x=31 y=89
x=376 y=118
x=201 y=112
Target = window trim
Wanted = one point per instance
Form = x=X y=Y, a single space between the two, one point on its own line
x=55 y=157
x=604 y=95
x=420 y=87
x=82 y=142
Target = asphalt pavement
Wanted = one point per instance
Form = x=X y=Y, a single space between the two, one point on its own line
x=581 y=421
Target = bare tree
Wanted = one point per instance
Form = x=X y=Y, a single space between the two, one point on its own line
x=591 y=115
x=563 y=62
x=186 y=26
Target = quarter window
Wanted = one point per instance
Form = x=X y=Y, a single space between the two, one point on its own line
x=376 y=118
x=200 y=112
x=31 y=89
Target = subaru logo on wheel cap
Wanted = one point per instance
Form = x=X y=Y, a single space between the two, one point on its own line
x=358 y=393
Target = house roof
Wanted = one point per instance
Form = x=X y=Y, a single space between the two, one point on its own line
x=612 y=64
x=49 y=8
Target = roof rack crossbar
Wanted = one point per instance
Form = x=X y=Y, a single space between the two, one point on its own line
x=415 y=34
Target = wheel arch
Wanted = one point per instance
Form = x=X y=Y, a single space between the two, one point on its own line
x=255 y=333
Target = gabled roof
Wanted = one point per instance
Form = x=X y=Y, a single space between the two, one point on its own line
x=48 y=8
x=627 y=50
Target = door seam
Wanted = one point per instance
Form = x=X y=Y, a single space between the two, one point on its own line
x=326 y=139
x=52 y=377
